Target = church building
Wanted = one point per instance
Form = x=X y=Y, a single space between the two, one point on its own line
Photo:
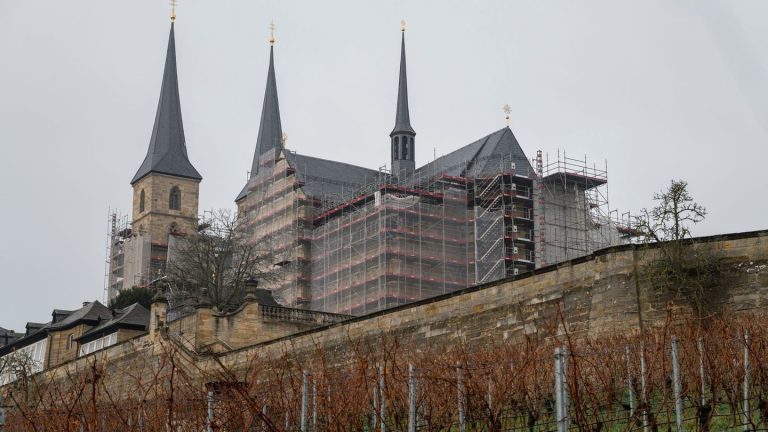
x=354 y=240
x=165 y=194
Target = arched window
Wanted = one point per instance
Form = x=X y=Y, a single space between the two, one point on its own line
x=395 y=147
x=174 y=201
x=405 y=148
x=141 y=201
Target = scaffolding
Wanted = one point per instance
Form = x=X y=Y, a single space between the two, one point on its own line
x=133 y=259
x=576 y=216
x=539 y=214
x=398 y=240
x=127 y=263
x=504 y=223
x=356 y=248
x=393 y=246
x=277 y=214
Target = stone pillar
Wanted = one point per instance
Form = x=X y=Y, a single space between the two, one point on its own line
x=159 y=309
x=249 y=320
x=250 y=289
x=206 y=322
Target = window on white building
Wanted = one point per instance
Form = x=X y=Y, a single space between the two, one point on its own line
x=31 y=358
x=100 y=343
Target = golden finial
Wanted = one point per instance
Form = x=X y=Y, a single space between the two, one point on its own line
x=402 y=25
x=507 y=111
x=174 y=3
x=272 y=33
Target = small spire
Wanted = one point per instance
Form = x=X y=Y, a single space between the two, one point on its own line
x=272 y=33
x=271 y=134
x=507 y=111
x=402 y=115
x=174 y=3
x=402 y=137
x=270 y=129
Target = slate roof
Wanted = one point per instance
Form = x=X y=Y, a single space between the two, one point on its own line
x=32 y=327
x=9 y=336
x=243 y=193
x=481 y=157
x=27 y=339
x=402 y=116
x=167 y=153
x=265 y=297
x=92 y=312
x=322 y=177
x=270 y=128
x=134 y=316
x=59 y=314
x=326 y=178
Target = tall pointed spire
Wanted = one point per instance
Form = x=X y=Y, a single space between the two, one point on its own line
x=402 y=136
x=167 y=153
x=402 y=117
x=270 y=129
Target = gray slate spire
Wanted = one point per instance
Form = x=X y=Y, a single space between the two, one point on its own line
x=167 y=152
x=403 y=137
x=270 y=130
x=403 y=117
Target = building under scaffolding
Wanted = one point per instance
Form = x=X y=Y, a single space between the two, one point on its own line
x=132 y=258
x=353 y=240
x=392 y=245
x=575 y=214
x=420 y=237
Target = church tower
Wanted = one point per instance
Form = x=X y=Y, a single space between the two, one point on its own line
x=165 y=187
x=403 y=137
x=269 y=142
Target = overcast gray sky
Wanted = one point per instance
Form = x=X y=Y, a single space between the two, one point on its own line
x=660 y=89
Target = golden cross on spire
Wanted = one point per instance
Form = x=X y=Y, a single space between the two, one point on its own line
x=507 y=111
x=402 y=25
x=174 y=3
x=272 y=33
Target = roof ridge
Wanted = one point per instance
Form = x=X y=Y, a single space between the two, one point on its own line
x=330 y=160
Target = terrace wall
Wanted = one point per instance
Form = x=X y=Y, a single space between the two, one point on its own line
x=596 y=295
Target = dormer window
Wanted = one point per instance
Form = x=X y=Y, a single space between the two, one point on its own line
x=174 y=200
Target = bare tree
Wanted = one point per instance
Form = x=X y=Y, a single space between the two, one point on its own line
x=679 y=269
x=219 y=258
x=17 y=367
x=671 y=218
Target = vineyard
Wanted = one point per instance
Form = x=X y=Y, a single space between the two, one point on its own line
x=698 y=376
